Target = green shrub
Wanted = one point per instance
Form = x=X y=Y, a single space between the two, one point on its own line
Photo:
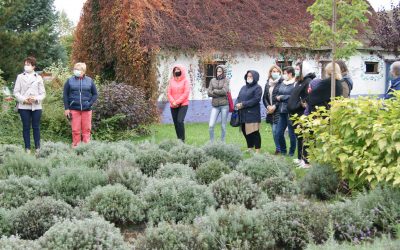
x=350 y=224
x=16 y=191
x=7 y=150
x=101 y=154
x=234 y=228
x=74 y=184
x=5 y=222
x=176 y=199
x=24 y=164
x=150 y=160
x=278 y=186
x=296 y=223
x=228 y=153
x=362 y=149
x=15 y=243
x=127 y=174
x=381 y=205
x=170 y=170
x=321 y=181
x=261 y=167
x=188 y=155
x=169 y=144
x=168 y=236
x=67 y=159
x=33 y=219
x=211 y=171
x=386 y=243
x=235 y=188
x=48 y=148
x=116 y=204
x=95 y=233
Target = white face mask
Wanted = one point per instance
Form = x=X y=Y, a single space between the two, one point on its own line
x=275 y=75
x=285 y=77
x=249 y=80
x=28 y=68
x=77 y=73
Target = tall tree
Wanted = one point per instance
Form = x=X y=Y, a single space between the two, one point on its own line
x=387 y=30
x=27 y=29
x=336 y=24
x=65 y=29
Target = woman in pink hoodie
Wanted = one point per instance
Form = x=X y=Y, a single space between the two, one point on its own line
x=178 y=97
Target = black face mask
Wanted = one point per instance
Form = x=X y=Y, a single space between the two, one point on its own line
x=178 y=74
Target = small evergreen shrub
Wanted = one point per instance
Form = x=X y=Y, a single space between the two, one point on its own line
x=5 y=222
x=294 y=224
x=235 y=188
x=74 y=184
x=188 y=155
x=48 y=148
x=116 y=204
x=278 y=186
x=170 y=170
x=33 y=219
x=169 y=144
x=24 y=164
x=168 y=236
x=321 y=181
x=127 y=174
x=103 y=153
x=234 y=227
x=93 y=233
x=176 y=199
x=16 y=191
x=15 y=243
x=150 y=160
x=228 y=153
x=261 y=167
x=7 y=150
x=381 y=205
x=211 y=171
x=350 y=224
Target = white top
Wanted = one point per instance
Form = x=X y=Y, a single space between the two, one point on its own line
x=29 y=84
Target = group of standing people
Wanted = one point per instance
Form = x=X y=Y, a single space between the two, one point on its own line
x=79 y=95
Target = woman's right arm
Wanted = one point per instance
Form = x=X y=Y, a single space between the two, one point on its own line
x=169 y=92
x=211 y=89
x=265 y=96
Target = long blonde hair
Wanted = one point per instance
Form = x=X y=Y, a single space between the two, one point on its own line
x=272 y=68
x=329 y=71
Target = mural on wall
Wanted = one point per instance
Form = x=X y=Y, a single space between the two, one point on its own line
x=372 y=77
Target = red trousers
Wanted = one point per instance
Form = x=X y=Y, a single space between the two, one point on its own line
x=81 y=124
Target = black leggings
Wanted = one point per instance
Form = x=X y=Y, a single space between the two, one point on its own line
x=253 y=140
x=178 y=115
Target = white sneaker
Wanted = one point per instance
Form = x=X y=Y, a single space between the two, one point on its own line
x=297 y=161
x=304 y=165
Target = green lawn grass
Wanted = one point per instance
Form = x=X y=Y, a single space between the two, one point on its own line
x=197 y=134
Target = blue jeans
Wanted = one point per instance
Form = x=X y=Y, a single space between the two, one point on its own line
x=29 y=117
x=275 y=135
x=215 y=111
x=284 y=123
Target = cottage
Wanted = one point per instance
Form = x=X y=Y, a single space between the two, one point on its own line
x=242 y=35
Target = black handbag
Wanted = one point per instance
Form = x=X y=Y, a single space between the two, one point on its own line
x=235 y=118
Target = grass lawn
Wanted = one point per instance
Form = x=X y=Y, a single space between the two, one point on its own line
x=197 y=134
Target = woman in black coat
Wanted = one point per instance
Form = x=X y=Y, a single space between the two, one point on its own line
x=248 y=104
x=271 y=105
x=297 y=105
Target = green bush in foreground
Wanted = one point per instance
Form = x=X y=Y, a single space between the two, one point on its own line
x=211 y=171
x=168 y=236
x=93 y=233
x=127 y=174
x=24 y=164
x=116 y=204
x=15 y=243
x=170 y=170
x=321 y=182
x=176 y=200
x=230 y=154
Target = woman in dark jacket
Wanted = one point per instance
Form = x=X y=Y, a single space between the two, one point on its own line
x=271 y=105
x=284 y=93
x=297 y=105
x=248 y=104
x=320 y=95
x=80 y=94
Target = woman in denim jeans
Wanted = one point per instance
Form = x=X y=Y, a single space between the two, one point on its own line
x=218 y=90
x=29 y=91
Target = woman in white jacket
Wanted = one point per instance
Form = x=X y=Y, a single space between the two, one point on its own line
x=29 y=91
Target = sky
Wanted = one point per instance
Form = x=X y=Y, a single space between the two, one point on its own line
x=73 y=7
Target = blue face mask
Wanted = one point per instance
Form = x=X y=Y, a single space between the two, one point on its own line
x=275 y=75
x=77 y=73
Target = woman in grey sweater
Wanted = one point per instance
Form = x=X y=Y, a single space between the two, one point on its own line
x=218 y=90
x=29 y=91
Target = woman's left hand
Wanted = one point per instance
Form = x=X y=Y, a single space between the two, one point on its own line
x=239 y=106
